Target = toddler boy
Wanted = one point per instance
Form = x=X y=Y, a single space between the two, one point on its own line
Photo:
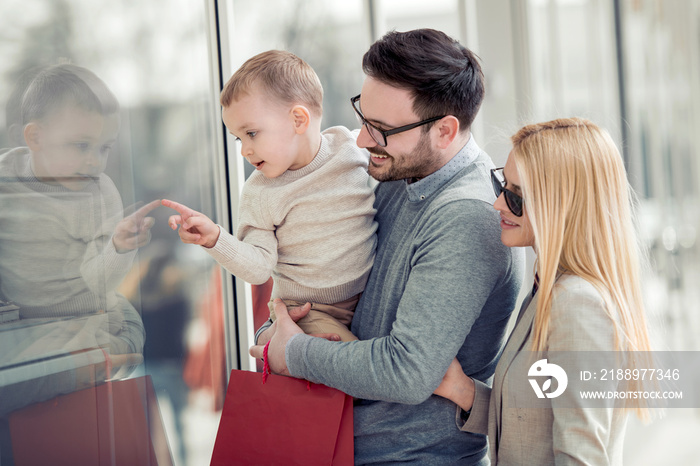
x=306 y=214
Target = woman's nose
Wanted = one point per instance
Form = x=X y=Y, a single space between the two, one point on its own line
x=500 y=203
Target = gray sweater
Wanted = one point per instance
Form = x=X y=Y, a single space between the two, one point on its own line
x=443 y=285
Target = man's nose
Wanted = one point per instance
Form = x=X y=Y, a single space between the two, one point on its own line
x=364 y=139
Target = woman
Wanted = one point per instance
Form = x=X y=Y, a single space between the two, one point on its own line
x=565 y=194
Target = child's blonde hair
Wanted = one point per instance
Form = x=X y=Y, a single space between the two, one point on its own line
x=283 y=75
x=580 y=206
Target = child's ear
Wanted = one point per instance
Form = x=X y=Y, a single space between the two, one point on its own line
x=32 y=136
x=302 y=118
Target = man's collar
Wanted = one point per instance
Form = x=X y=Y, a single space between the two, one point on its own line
x=419 y=190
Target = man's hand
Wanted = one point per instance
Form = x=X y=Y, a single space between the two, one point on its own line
x=195 y=227
x=134 y=231
x=285 y=328
x=296 y=314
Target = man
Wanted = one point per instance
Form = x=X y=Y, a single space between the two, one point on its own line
x=443 y=285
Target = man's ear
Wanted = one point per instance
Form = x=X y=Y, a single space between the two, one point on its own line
x=301 y=117
x=32 y=135
x=448 y=129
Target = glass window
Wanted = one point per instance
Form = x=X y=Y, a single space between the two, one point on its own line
x=331 y=37
x=108 y=110
x=661 y=58
x=414 y=14
x=572 y=62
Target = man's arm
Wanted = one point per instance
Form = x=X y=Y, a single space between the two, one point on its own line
x=449 y=283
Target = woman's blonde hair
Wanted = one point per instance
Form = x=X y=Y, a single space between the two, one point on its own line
x=580 y=206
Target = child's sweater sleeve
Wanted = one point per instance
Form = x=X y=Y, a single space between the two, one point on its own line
x=252 y=254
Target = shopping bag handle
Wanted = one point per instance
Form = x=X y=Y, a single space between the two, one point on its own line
x=266 y=364
x=266 y=367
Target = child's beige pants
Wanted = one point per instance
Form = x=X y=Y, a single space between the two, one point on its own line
x=324 y=318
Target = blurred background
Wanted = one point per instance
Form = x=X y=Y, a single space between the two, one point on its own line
x=632 y=66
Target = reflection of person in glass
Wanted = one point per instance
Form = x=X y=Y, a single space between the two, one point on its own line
x=64 y=243
x=13 y=108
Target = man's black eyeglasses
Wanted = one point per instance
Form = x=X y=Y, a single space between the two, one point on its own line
x=379 y=136
x=513 y=201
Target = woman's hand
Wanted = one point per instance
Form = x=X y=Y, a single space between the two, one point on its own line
x=457 y=387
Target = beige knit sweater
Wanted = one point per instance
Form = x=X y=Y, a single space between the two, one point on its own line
x=311 y=229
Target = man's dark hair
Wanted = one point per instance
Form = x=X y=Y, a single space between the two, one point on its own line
x=444 y=77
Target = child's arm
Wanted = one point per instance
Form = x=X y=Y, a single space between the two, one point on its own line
x=250 y=258
x=109 y=255
x=195 y=227
x=134 y=231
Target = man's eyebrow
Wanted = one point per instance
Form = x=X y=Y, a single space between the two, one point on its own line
x=372 y=120
x=379 y=123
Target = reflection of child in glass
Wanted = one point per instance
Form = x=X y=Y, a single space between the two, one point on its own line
x=64 y=243
x=306 y=214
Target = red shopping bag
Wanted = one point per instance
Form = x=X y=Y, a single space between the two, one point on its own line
x=116 y=423
x=284 y=421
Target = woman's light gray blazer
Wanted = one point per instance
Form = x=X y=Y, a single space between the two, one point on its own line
x=564 y=433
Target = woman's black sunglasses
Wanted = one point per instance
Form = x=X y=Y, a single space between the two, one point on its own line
x=513 y=201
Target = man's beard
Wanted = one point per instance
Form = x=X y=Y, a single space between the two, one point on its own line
x=420 y=163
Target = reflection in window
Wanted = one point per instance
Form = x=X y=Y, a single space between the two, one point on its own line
x=94 y=285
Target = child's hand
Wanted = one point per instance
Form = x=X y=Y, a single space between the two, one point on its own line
x=195 y=227
x=134 y=231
